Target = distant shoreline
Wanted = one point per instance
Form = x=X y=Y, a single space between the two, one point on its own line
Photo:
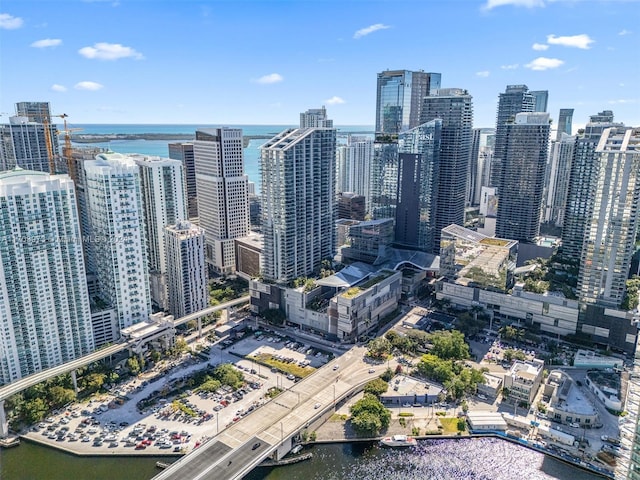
x=101 y=138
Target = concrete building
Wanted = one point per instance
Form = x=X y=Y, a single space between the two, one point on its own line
x=116 y=214
x=353 y=167
x=514 y=100
x=45 y=318
x=350 y=206
x=591 y=360
x=315 y=118
x=36 y=112
x=249 y=255
x=582 y=184
x=399 y=99
x=223 y=198
x=607 y=387
x=164 y=201
x=23 y=143
x=566 y=403
x=454 y=107
x=417 y=187
x=184 y=153
x=522 y=181
x=405 y=390
x=611 y=229
x=186 y=271
x=298 y=202
x=558 y=177
x=523 y=380
x=492 y=386
x=479 y=163
x=366 y=241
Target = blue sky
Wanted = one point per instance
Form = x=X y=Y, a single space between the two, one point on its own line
x=263 y=62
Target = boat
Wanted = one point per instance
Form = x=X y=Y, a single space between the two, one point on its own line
x=398 y=441
x=295 y=450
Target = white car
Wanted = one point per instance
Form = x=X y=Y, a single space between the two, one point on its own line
x=335 y=367
x=317 y=406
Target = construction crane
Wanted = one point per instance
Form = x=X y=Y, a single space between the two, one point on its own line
x=67 y=150
x=49 y=144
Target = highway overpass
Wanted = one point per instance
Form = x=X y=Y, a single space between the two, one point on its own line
x=272 y=428
x=12 y=388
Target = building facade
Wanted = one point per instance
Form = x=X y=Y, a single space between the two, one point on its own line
x=184 y=153
x=45 y=317
x=514 y=100
x=223 y=198
x=416 y=193
x=557 y=185
x=454 y=107
x=187 y=286
x=24 y=143
x=399 y=99
x=523 y=169
x=353 y=168
x=298 y=202
x=163 y=198
x=315 y=118
x=565 y=120
x=119 y=248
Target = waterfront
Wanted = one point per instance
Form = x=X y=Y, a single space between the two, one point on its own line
x=160 y=147
x=477 y=459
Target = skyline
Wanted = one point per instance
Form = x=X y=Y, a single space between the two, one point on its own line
x=221 y=62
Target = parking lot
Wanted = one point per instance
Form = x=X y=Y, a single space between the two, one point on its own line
x=107 y=424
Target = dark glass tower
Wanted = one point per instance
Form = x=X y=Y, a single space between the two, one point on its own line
x=399 y=99
x=523 y=171
x=514 y=100
x=564 y=122
x=454 y=107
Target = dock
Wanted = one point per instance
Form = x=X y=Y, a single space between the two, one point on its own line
x=287 y=461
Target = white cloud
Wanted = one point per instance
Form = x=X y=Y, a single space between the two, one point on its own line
x=513 y=66
x=370 y=29
x=624 y=32
x=86 y=85
x=58 y=88
x=516 y=3
x=109 y=51
x=47 y=42
x=623 y=101
x=483 y=73
x=334 y=101
x=271 y=78
x=576 y=41
x=544 y=63
x=9 y=22
x=539 y=46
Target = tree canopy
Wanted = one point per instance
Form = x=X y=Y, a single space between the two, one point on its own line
x=449 y=345
x=369 y=416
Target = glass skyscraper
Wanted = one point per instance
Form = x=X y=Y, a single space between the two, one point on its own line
x=399 y=99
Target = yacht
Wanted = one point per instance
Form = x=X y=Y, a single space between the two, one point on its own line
x=398 y=441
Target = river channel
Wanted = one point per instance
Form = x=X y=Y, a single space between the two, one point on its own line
x=468 y=459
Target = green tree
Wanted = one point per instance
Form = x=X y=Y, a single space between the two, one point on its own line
x=210 y=385
x=435 y=368
x=93 y=382
x=449 y=345
x=275 y=316
x=227 y=375
x=155 y=356
x=376 y=387
x=369 y=416
x=59 y=396
x=133 y=365
x=379 y=348
x=34 y=410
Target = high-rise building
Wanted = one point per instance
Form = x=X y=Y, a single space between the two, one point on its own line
x=480 y=163
x=24 y=144
x=454 y=106
x=582 y=185
x=298 y=169
x=399 y=99
x=514 y=100
x=350 y=206
x=419 y=162
x=557 y=184
x=523 y=171
x=186 y=269
x=45 y=318
x=315 y=118
x=611 y=229
x=384 y=179
x=184 y=153
x=116 y=214
x=163 y=198
x=223 y=199
x=353 y=169
x=564 y=122
x=36 y=112
x=541 y=98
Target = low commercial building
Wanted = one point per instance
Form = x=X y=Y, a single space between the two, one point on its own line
x=405 y=390
x=523 y=380
x=606 y=386
x=492 y=385
x=486 y=421
x=567 y=404
x=591 y=360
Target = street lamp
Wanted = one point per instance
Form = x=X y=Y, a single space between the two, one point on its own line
x=217 y=425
